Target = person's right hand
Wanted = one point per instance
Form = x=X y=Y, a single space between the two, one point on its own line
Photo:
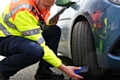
x=69 y=70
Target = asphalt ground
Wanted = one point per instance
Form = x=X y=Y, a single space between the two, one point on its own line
x=28 y=73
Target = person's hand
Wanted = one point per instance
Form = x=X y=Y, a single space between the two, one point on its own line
x=69 y=70
x=53 y=22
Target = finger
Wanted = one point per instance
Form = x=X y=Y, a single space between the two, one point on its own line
x=76 y=68
x=78 y=76
x=53 y=22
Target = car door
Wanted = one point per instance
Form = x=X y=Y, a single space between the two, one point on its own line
x=65 y=22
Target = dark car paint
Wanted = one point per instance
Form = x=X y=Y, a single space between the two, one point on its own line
x=105 y=24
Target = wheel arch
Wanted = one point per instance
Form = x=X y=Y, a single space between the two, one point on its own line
x=80 y=18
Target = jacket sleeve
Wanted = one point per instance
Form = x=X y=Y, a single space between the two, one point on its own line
x=26 y=24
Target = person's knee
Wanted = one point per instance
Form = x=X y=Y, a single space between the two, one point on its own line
x=38 y=52
x=35 y=50
x=57 y=29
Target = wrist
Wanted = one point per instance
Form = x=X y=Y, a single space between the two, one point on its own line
x=63 y=67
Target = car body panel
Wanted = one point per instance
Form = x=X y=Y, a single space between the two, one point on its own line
x=105 y=25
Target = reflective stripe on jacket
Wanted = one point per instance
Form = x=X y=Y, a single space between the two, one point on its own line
x=18 y=19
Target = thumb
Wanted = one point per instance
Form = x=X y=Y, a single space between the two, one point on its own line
x=77 y=68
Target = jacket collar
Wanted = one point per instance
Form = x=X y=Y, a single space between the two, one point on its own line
x=33 y=4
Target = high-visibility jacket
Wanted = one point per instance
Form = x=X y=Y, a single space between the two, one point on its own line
x=20 y=18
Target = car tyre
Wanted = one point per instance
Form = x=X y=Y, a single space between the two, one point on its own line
x=83 y=50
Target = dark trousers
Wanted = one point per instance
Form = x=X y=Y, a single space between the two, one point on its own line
x=21 y=52
x=52 y=36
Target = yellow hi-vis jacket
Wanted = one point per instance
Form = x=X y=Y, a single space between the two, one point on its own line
x=18 y=19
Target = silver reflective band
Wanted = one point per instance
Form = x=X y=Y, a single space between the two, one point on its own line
x=7 y=16
x=41 y=40
x=4 y=30
x=31 y=32
x=14 y=1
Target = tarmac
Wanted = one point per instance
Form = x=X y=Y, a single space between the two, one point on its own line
x=28 y=72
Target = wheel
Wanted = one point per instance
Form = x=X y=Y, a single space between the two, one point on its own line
x=83 y=49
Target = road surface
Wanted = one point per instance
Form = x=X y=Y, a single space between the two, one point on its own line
x=28 y=73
